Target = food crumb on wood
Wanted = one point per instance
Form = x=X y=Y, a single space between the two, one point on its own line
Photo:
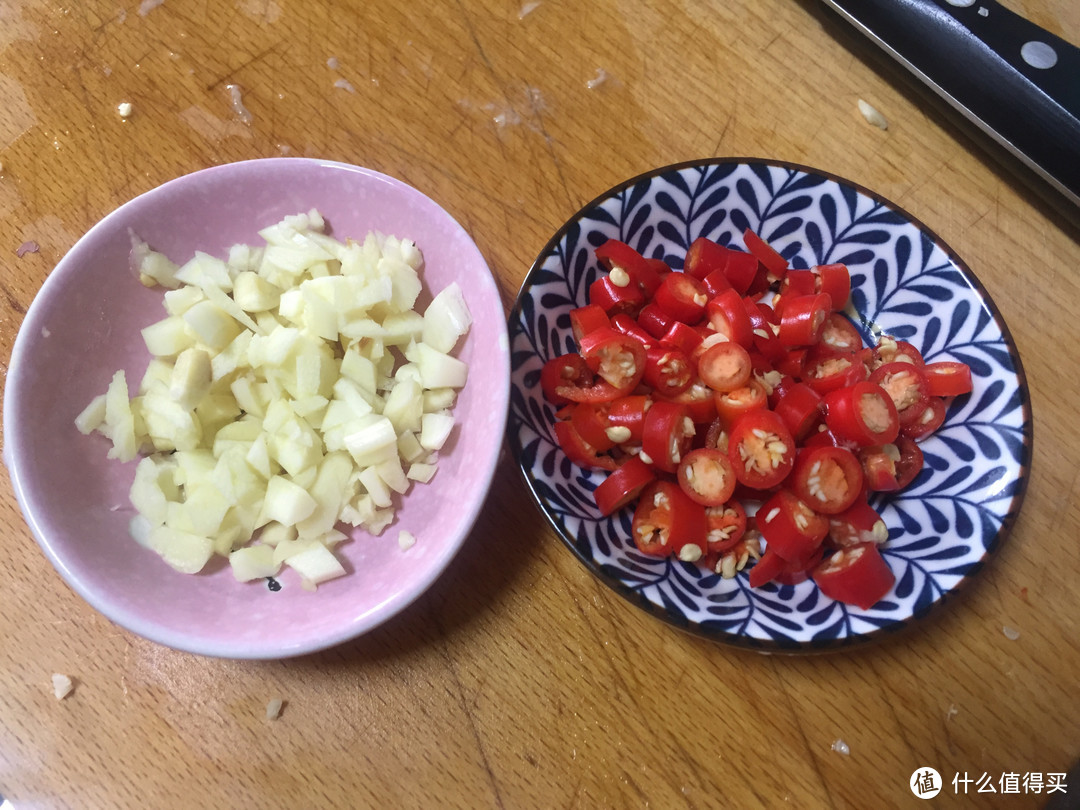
x=236 y=101
x=1011 y=633
x=597 y=80
x=146 y=6
x=841 y=747
x=344 y=84
x=872 y=115
x=526 y=9
x=952 y=712
x=62 y=685
x=124 y=109
x=273 y=708
x=406 y=540
x=29 y=246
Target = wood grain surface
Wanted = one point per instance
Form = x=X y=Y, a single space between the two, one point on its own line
x=518 y=680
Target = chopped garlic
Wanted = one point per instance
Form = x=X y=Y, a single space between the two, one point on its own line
x=124 y=109
x=406 y=540
x=872 y=115
x=273 y=708
x=62 y=685
x=277 y=403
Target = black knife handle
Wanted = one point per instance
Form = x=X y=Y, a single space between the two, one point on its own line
x=978 y=56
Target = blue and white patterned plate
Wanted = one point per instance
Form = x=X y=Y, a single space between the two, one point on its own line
x=905 y=282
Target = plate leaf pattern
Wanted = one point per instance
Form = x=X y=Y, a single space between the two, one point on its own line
x=905 y=283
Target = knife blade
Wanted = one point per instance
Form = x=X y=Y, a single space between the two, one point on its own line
x=1017 y=82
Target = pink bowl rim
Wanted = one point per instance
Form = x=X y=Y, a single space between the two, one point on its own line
x=14 y=449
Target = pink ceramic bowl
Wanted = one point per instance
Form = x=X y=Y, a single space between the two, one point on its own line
x=84 y=324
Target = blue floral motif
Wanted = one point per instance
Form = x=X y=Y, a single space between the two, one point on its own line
x=905 y=283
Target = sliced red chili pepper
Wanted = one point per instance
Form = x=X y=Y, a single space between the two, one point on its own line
x=716 y=435
x=765 y=327
x=629 y=413
x=862 y=413
x=628 y=326
x=906 y=384
x=682 y=337
x=857 y=575
x=890 y=350
x=587 y=318
x=803 y=356
x=623 y=485
x=797 y=571
x=790 y=527
x=800 y=406
x=666 y=522
x=565 y=370
x=725 y=526
x=566 y=411
x=779 y=388
x=615 y=256
x=803 y=318
x=660 y=267
x=668 y=435
x=706 y=476
x=890 y=467
x=698 y=399
x=681 y=297
x=614 y=253
x=792 y=363
x=741 y=270
x=614 y=298
x=835 y=281
x=667 y=371
x=948 y=378
x=727 y=315
x=595 y=391
x=910 y=463
x=617 y=358
x=829 y=372
x=766 y=569
x=859 y=523
x=578 y=450
x=933 y=416
x=654 y=320
x=879 y=467
x=591 y=422
x=762 y=369
x=761 y=449
x=823 y=437
x=829 y=479
x=704 y=257
x=840 y=334
x=774 y=568
x=725 y=366
x=776 y=264
x=796 y=283
x=731 y=406
x=715 y=283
